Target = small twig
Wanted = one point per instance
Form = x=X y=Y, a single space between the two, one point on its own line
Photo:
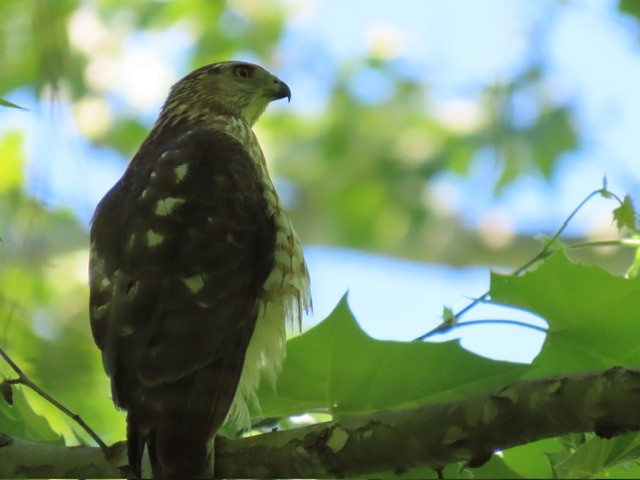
x=544 y=253
x=445 y=327
x=497 y=321
x=27 y=382
x=624 y=242
x=547 y=246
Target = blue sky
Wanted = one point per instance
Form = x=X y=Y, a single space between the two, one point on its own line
x=455 y=47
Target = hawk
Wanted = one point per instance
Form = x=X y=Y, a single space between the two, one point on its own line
x=194 y=271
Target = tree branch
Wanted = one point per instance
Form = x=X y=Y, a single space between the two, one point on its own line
x=430 y=436
x=23 y=459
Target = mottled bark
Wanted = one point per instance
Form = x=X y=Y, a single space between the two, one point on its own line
x=470 y=430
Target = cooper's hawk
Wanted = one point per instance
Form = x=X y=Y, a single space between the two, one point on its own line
x=194 y=269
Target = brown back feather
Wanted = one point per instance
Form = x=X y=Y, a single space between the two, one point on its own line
x=181 y=247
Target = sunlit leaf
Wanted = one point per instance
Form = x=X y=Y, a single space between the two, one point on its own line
x=589 y=311
x=7 y=103
x=552 y=135
x=448 y=316
x=22 y=421
x=596 y=455
x=126 y=136
x=337 y=367
x=625 y=215
x=496 y=467
x=528 y=460
x=11 y=165
x=632 y=7
x=635 y=266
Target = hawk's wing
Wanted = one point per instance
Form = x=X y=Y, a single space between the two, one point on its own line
x=181 y=247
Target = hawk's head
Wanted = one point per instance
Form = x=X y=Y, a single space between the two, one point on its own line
x=239 y=89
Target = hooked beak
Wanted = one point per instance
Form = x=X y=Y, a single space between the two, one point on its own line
x=282 y=90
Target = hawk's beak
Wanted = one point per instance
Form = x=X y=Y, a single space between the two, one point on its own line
x=282 y=90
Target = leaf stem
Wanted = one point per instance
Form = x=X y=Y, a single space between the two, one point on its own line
x=501 y=321
x=622 y=242
x=23 y=379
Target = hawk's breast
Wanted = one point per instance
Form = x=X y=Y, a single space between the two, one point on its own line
x=285 y=293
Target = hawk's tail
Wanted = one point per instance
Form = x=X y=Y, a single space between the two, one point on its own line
x=136 y=441
x=177 y=420
x=174 y=454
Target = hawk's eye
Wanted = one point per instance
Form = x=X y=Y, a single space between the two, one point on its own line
x=243 y=72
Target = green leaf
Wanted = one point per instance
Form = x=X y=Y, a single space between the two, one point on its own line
x=126 y=136
x=335 y=366
x=7 y=103
x=22 y=421
x=12 y=155
x=625 y=215
x=528 y=460
x=635 y=266
x=448 y=316
x=494 y=468
x=624 y=449
x=596 y=455
x=588 y=456
x=552 y=135
x=590 y=312
x=632 y=7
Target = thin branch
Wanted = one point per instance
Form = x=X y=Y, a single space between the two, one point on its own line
x=624 y=242
x=436 y=435
x=432 y=435
x=446 y=327
x=497 y=321
x=547 y=246
x=23 y=379
x=544 y=253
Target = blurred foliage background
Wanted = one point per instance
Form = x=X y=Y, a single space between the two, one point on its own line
x=356 y=170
